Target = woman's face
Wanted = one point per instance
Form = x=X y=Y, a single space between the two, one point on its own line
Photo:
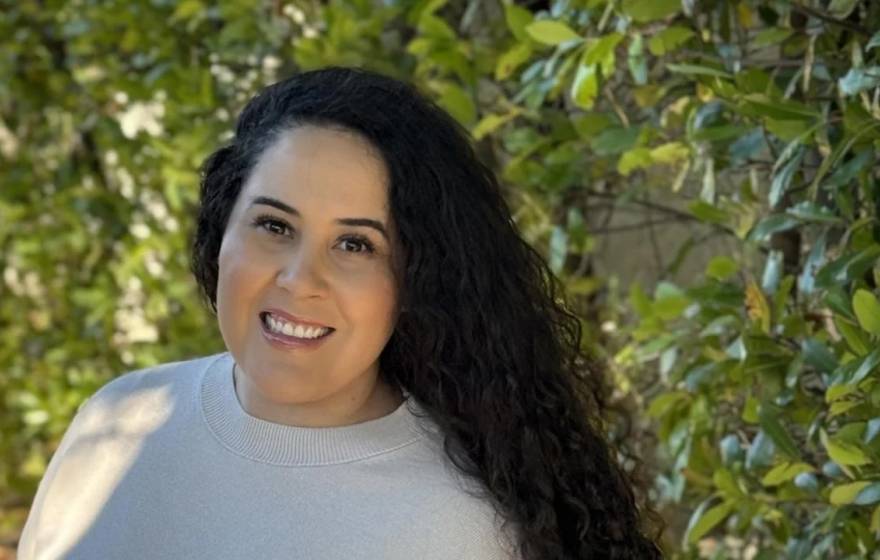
x=305 y=240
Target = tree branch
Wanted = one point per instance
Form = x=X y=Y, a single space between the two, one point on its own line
x=831 y=19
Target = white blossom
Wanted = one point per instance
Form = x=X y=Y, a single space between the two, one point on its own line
x=142 y=116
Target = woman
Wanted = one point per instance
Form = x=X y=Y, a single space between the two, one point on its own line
x=400 y=381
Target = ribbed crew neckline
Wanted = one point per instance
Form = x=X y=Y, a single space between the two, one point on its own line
x=294 y=446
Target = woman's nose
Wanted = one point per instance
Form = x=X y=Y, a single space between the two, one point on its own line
x=302 y=272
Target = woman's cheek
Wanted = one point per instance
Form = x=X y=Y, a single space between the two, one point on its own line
x=375 y=275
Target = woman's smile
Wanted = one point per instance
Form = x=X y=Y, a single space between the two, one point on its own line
x=285 y=335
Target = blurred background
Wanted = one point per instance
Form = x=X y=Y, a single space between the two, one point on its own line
x=702 y=174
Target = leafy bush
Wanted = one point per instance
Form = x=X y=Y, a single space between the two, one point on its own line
x=766 y=391
x=757 y=123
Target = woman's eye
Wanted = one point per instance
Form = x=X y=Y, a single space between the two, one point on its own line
x=359 y=242
x=276 y=228
x=272 y=226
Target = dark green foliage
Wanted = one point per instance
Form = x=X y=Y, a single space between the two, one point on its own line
x=758 y=122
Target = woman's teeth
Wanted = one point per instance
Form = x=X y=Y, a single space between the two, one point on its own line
x=298 y=331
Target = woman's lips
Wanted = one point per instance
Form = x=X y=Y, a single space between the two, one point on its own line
x=281 y=340
x=281 y=314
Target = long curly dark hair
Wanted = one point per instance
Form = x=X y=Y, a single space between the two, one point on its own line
x=484 y=341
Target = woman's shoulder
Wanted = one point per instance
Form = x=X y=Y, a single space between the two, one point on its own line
x=152 y=388
x=153 y=377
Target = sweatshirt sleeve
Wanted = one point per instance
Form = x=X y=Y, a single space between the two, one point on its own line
x=27 y=544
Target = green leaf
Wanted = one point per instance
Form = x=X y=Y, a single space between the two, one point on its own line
x=788 y=130
x=837 y=392
x=774 y=223
x=782 y=178
x=633 y=159
x=866 y=366
x=842 y=8
x=511 y=60
x=663 y=403
x=425 y=8
x=187 y=9
x=868 y=495
x=871 y=430
x=840 y=407
x=708 y=212
x=807 y=482
x=854 y=337
x=696 y=70
x=862 y=129
x=784 y=472
x=613 y=141
x=35 y=417
x=844 y=494
x=670 y=307
x=807 y=278
x=639 y=300
x=724 y=132
x=772 y=271
x=858 y=121
x=818 y=355
x=601 y=51
x=721 y=267
x=781 y=296
x=768 y=417
x=457 y=102
x=874 y=42
x=839 y=301
x=730 y=449
x=649 y=95
x=517 y=19
x=589 y=125
x=726 y=484
x=668 y=40
x=649 y=10
x=700 y=375
x=780 y=109
x=760 y=452
x=585 y=87
x=436 y=28
x=750 y=410
x=867 y=310
x=771 y=36
x=558 y=248
x=551 y=32
x=701 y=523
x=638 y=65
x=807 y=211
x=667 y=290
x=848 y=267
x=670 y=153
x=843 y=453
x=490 y=123
x=859 y=79
x=848 y=171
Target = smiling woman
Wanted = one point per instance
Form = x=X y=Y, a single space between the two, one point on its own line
x=306 y=246
x=400 y=380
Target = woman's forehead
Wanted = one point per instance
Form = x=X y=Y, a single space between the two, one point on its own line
x=321 y=168
x=309 y=148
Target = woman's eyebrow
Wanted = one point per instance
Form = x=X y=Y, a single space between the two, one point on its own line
x=275 y=203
